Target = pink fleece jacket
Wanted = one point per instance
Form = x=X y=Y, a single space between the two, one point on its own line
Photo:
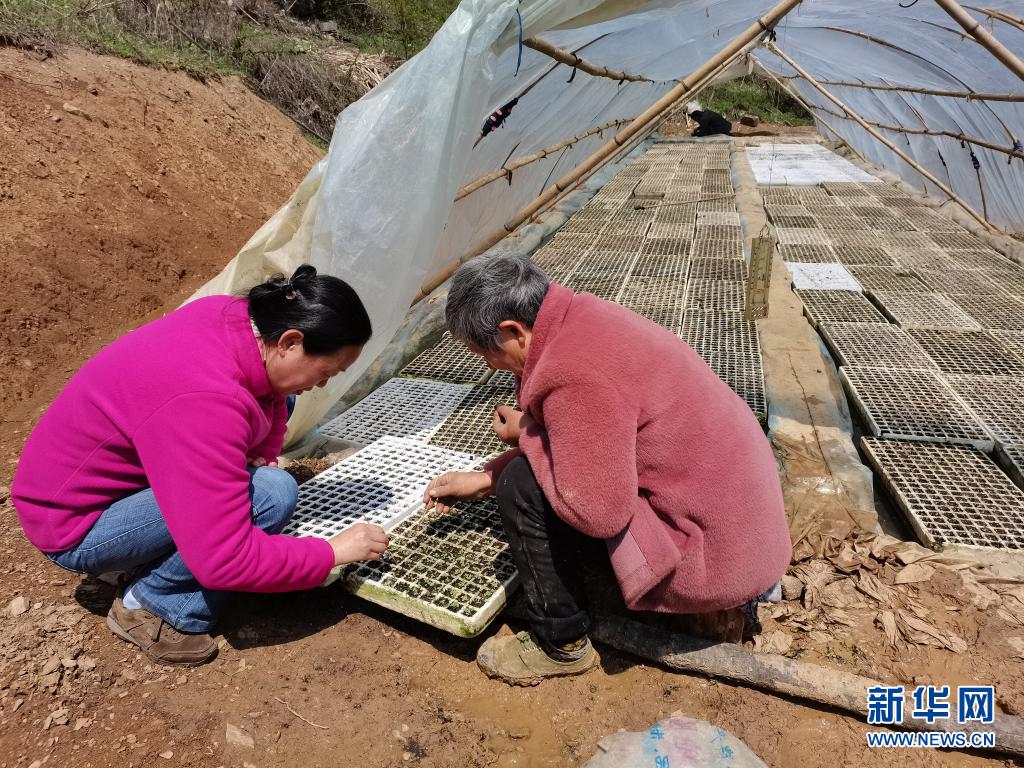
x=176 y=405
x=635 y=440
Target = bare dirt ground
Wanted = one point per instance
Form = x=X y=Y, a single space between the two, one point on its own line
x=106 y=225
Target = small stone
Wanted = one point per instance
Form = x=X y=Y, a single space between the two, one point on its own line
x=18 y=606
x=792 y=587
x=72 y=109
x=94 y=90
x=519 y=732
x=82 y=722
x=167 y=755
x=36 y=764
x=59 y=717
x=182 y=679
x=87 y=663
x=68 y=663
x=56 y=118
x=131 y=738
x=5 y=493
x=237 y=737
x=751 y=121
x=407 y=756
x=52 y=665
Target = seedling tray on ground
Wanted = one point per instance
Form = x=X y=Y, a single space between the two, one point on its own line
x=412 y=408
x=950 y=494
x=716 y=295
x=717 y=269
x=381 y=484
x=923 y=310
x=448 y=360
x=808 y=254
x=468 y=428
x=729 y=344
x=968 y=352
x=1012 y=459
x=912 y=405
x=838 y=307
x=452 y=571
x=657 y=299
x=874 y=345
x=997 y=401
x=895 y=279
x=1003 y=313
x=1012 y=340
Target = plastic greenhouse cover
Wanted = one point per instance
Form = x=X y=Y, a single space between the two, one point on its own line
x=377 y=210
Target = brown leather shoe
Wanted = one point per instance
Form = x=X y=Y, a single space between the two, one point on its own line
x=158 y=639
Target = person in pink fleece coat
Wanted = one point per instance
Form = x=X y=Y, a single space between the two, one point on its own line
x=159 y=459
x=625 y=436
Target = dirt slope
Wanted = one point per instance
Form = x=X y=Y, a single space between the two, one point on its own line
x=122 y=189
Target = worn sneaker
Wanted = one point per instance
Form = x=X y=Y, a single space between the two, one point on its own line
x=158 y=639
x=519 y=660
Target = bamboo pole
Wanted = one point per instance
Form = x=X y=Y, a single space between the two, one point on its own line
x=602 y=155
x=896 y=150
x=506 y=170
x=572 y=60
x=1012 y=153
x=974 y=28
x=968 y=95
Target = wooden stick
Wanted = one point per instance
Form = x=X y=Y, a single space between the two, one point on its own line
x=1002 y=16
x=310 y=722
x=602 y=155
x=776 y=674
x=974 y=28
x=895 y=150
x=925 y=132
x=507 y=168
x=572 y=60
x=968 y=95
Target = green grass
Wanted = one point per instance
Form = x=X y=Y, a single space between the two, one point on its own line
x=401 y=27
x=757 y=97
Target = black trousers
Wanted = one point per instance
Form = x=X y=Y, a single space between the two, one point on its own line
x=545 y=550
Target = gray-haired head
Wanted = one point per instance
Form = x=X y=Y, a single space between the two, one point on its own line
x=489 y=290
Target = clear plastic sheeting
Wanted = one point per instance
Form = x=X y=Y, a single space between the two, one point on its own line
x=378 y=210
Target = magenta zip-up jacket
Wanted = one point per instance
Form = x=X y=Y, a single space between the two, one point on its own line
x=177 y=405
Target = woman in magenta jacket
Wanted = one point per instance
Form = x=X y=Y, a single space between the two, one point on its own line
x=625 y=436
x=159 y=459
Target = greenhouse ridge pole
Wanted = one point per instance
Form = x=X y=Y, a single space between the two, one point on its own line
x=983 y=36
x=601 y=156
x=896 y=150
x=570 y=59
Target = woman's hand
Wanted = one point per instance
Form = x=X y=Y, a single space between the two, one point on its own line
x=508 y=424
x=450 y=487
x=258 y=461
x=360 y=542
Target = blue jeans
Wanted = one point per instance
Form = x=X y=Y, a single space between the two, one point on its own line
x=131 y=535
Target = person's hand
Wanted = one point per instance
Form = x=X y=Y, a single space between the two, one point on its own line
x=362 y=541
x=508 y=424
x=259 y=461
x=450 y=487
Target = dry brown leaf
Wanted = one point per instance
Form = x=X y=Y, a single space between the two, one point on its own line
x=914 y=573
x=792 y=587
x=773 y=642
x=921 y=632
x=875 y=589
x=978 y=594
x=887 y=621
x=907 y=552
